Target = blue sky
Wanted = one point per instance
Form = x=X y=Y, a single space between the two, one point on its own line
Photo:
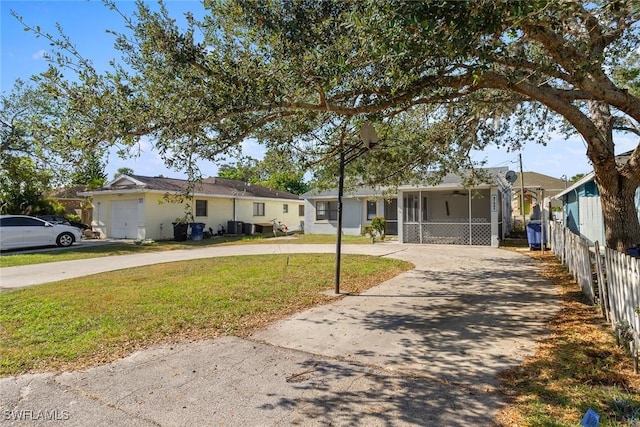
x=86 y=22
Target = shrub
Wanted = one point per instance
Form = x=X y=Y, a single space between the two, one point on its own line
x=378 y=224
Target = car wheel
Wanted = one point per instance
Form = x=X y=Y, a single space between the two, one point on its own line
x=65 y=239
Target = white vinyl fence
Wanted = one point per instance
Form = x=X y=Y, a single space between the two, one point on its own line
x=574 y=252
x=617 y=274
x=623 y=287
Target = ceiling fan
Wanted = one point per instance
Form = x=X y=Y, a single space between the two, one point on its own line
x=456 y=193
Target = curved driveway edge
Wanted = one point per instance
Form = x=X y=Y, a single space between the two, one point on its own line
x=422 y=349
x=29 y=275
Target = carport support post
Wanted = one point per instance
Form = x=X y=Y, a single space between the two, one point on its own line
x=339 y=237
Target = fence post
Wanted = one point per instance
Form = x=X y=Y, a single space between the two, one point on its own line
x=603 y=292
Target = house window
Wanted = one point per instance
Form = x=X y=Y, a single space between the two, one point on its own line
x=285 y=208
x=258 y=209
x=300 y=210
x=372 y=209
x=201 y=208
x=326 y=211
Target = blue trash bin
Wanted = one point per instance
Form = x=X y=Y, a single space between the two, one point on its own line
x=197 y=230
x=534 y=235
x=634 y=251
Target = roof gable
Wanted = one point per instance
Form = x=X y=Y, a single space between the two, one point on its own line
x=124 y=181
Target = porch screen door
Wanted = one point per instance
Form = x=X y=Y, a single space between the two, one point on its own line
x=411 y=218
x=391 y=217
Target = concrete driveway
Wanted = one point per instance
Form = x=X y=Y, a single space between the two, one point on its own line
x=422 y=349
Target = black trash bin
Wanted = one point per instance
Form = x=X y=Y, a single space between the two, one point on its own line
x=197 y=230
x=180 y=231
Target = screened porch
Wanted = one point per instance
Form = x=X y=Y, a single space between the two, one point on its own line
x=454 y=217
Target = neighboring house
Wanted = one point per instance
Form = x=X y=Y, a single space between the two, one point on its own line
x=141 y=207
x=447 y=213
x=534 y=185
x=583 y=209
x=72 y=203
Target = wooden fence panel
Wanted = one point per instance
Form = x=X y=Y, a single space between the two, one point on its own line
x=556 y=239
x=623 y=281
x=603 y=291
x=578 y=261
x=618 y=276
x=614 y=289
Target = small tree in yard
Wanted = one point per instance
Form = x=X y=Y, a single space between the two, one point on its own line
x=437 y=78
x=378 y=224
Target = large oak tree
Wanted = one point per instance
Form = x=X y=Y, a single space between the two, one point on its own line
x=436 y=77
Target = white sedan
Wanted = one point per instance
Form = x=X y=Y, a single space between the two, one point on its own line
x=22 y=231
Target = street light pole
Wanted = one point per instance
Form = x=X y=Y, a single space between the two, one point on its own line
x=339 y=237
x=369 y=140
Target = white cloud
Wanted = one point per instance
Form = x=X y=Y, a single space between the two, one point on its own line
x=252 y=148
x=39 y=54
x=625 y=142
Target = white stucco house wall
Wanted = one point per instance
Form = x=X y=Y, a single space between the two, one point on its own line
x=142 y=207
x=447 y=213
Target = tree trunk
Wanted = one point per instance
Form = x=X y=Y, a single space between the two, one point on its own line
x=617 y=184
x=621 y=225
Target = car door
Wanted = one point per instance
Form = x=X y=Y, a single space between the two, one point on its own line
x=11 y=233
x=36 y=232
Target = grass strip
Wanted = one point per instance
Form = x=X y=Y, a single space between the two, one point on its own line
x=576 y=368
x=87 y=251
x=97 y=319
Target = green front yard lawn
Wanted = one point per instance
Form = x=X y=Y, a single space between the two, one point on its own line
x=100 y=318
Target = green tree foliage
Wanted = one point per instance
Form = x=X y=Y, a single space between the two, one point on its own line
x=437 y=78
x=30 y=162
x=23 y=188
x=91 y=173
x=36 y=123
x=123 y=171
x=277 y=170
x=577 y=177
x=245 y=169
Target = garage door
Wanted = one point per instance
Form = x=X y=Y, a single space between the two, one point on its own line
x=124 y=219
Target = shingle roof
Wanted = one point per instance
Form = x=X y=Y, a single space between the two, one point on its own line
x=209 y=186
x=534 y=179
x=70 y=192
x=449 y=180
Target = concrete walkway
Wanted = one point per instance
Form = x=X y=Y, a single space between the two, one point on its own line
x=422 y=349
